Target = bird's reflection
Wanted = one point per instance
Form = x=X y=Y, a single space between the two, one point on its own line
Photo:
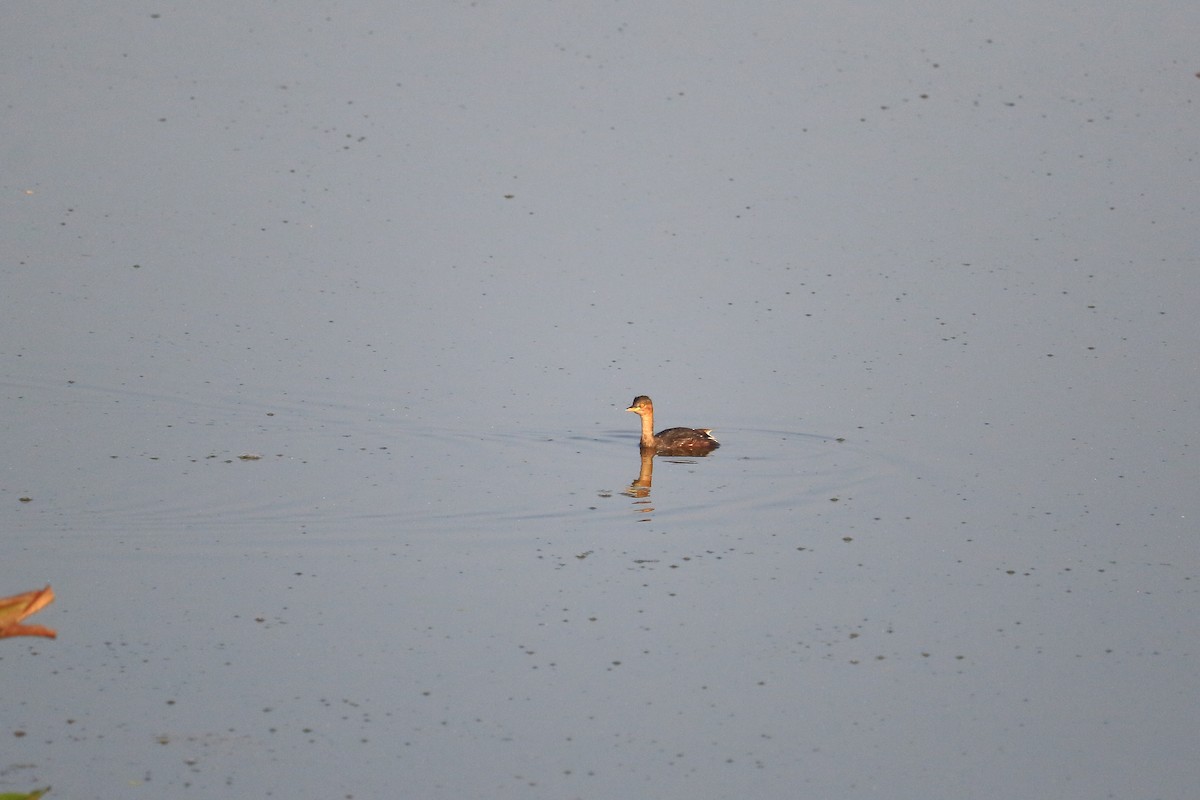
x=639 y=490
x=641 y=484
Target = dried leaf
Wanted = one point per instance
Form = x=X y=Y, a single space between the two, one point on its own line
x=34 y=795
x=18 y=607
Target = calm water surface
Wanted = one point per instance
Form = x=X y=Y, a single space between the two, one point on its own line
x=931 y=286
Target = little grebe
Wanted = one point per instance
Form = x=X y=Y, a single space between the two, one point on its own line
x=672 y=441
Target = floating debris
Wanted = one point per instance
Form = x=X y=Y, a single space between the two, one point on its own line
x=16 y=608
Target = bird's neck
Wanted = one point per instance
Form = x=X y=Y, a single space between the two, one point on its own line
x=647 y=429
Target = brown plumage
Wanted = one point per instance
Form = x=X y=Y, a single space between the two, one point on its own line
x=672 y=441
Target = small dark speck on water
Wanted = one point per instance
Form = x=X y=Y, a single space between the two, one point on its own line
x=25 y=499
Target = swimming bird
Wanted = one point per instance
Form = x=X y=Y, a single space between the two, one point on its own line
x=672 y=441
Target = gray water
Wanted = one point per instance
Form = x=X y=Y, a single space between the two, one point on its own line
x=319 y=324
